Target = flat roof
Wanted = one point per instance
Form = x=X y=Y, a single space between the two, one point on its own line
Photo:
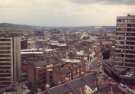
x=35 y=51
x=71 y=60
x=81 y=53
x=31 y=52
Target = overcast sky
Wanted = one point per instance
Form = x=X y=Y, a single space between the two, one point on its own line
x=64 y=12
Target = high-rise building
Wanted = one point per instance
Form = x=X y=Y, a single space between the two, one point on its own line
x=125 y=41
x=9 y=60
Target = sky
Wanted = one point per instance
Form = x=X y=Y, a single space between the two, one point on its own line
x=64 y=12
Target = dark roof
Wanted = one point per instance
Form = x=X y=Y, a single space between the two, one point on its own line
x=74 y=84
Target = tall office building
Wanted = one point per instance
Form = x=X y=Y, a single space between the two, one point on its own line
x=9 y=60
x=125 y=41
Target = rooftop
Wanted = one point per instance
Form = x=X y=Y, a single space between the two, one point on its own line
x=67 y=60
x=35 y=51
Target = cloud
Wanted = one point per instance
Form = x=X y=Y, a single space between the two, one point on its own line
x=113 y=2
x=61 y=12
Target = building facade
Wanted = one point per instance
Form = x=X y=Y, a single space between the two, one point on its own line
x=9 y=60
x=125 y=41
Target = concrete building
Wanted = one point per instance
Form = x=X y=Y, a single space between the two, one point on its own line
x=125 y=44
x=9 y=60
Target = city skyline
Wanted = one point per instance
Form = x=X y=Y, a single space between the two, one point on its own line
x=64 y=12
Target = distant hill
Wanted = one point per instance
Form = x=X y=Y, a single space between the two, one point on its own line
x=12 y=25
x=19 y=27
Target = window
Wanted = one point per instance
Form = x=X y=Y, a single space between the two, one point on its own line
x=4 y=39
x=131 y=25
x=5 y=55
x=5 y=47
x=4 y=52
x=130 y=29
x=121 y=20
x=5 y=59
